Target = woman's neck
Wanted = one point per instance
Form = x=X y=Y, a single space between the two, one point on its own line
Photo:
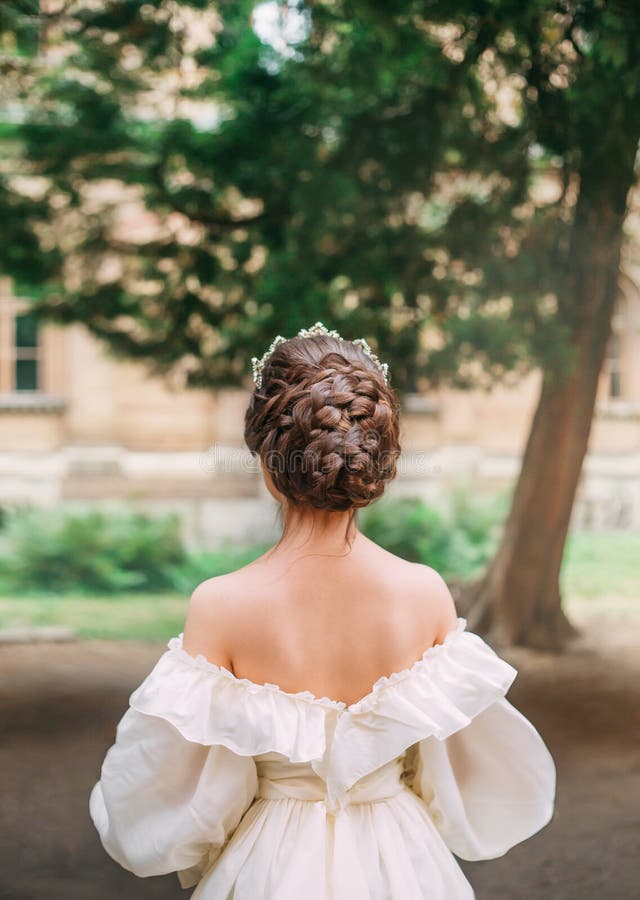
x=311 y=531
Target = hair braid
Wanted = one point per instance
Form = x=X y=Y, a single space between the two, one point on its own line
x=325 y=424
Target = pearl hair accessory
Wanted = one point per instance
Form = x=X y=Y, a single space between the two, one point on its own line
x=257 y=365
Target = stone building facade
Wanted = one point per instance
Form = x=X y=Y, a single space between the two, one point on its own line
x=78 y=426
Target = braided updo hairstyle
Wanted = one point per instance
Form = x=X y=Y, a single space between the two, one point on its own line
x=324 y=423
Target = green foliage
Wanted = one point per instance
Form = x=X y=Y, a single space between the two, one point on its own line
x=456 y=543
x=599 y=578
x=18 y=36
x=95 y=551
x=381 y=171
x=197 y=567
x=47 y=552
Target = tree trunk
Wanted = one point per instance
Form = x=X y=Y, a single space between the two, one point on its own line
x=518 y=599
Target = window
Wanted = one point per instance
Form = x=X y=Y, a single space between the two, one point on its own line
x=26 y=346
x=612 y=367
x=21 y=346
x=26 y=353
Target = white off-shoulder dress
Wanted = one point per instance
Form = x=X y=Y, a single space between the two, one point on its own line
x=250 y=792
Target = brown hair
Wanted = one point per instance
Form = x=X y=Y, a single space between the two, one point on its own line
x=324 y=423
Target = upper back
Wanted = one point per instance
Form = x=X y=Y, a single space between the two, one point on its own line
x=331 y=625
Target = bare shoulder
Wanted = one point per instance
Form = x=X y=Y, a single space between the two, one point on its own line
x=429 y=604
x=211 y=616
x=431 y=599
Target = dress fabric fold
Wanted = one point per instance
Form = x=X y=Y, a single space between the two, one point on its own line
x=246 y=791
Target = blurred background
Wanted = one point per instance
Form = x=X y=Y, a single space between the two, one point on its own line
x=182 y=181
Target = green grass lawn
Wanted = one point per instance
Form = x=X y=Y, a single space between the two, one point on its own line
x=600 y=575
x=151 y=617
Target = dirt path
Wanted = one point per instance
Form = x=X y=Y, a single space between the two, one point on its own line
x=59 y=704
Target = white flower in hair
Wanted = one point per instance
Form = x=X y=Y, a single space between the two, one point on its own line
x=257 y=365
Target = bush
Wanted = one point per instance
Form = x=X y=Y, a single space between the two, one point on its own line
x=198 y=567
x=100 y=552
x=88 y=552
x=457 y=544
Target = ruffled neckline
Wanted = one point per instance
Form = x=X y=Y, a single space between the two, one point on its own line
x=365 y=703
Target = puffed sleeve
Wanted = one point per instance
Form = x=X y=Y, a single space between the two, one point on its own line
x=490 y=785
x=489 y=781
x=179 y=776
